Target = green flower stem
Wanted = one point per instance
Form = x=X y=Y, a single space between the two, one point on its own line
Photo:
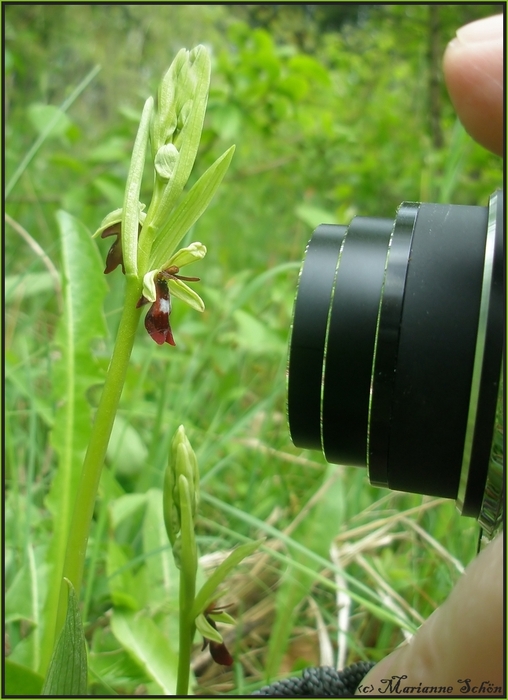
x=189 y=562
x=97 y=446
x=187 y=631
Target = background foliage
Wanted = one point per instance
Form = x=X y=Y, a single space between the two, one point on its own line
x=335 y=110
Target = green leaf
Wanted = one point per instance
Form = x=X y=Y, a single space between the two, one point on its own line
x=74 y=371
x=207 y=593
x=188 y=211
x=125 y=507
x=24 y=598
x=27 y=285
x=315 y=533
x=162 y=572
x=49 y=120
x=42 y=137
x=256 y=337
x=313 y=216
x=126 y=449
x=67 y=673
x=125 y=587
x=144 y=641
x=20 y=680
x=223 y=617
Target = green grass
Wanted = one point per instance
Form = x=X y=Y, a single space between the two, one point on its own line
x=254 y=483
x=345 y=567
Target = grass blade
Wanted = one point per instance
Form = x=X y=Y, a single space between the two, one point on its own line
x=207 y=591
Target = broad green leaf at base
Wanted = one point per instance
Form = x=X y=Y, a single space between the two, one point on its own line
x=144 y=641
x=20 y=680
x=67 y=673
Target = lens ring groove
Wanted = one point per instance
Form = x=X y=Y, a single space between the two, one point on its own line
x=308 y=335
x=384 y=364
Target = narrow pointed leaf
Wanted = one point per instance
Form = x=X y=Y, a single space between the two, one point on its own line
x=189 y=210
x=67 y=673
x=207 y=593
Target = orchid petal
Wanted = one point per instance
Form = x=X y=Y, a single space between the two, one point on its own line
x=206 y=629
x=186 y=294
x=221 y=616
x=186 y=256
x=149 y=291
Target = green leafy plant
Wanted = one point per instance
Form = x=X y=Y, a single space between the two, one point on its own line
x=67 y=673
x=181 y=500
x=303 y=156
x=146 y=248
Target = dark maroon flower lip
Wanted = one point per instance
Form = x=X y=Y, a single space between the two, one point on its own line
x=218 y=650
x=157 y=318
x=114 y=257
x=219 y=653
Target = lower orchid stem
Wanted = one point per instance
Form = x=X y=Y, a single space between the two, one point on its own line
x=187 y=593
x=184 y=651
x=99 y=438
x=186 y=621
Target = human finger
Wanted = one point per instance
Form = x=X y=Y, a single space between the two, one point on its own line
x=460 y=647
x=473 y=69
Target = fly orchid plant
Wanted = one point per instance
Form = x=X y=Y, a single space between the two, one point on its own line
x=197 y=612
x=146 y=244
x=146 y=247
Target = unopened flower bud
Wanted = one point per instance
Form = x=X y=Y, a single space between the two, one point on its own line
x=182 y=461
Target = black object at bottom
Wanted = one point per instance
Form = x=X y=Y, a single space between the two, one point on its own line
x=322 y=681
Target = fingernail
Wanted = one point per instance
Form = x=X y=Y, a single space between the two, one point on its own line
x=481 y=30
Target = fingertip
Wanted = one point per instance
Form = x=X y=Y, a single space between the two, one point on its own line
x=473 y=69
x=462 y=639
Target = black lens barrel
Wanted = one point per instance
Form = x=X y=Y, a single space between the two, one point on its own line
x=384 y=340
x=308 y=340
x=348 y=364
x=434 y=365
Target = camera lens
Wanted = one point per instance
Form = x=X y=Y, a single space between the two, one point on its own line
x=396 y=351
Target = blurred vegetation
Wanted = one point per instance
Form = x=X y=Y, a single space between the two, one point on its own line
x=335 y=110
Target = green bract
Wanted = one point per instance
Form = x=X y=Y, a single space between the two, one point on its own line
x=165 y=161
x=175 y=132
x=115 y=217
